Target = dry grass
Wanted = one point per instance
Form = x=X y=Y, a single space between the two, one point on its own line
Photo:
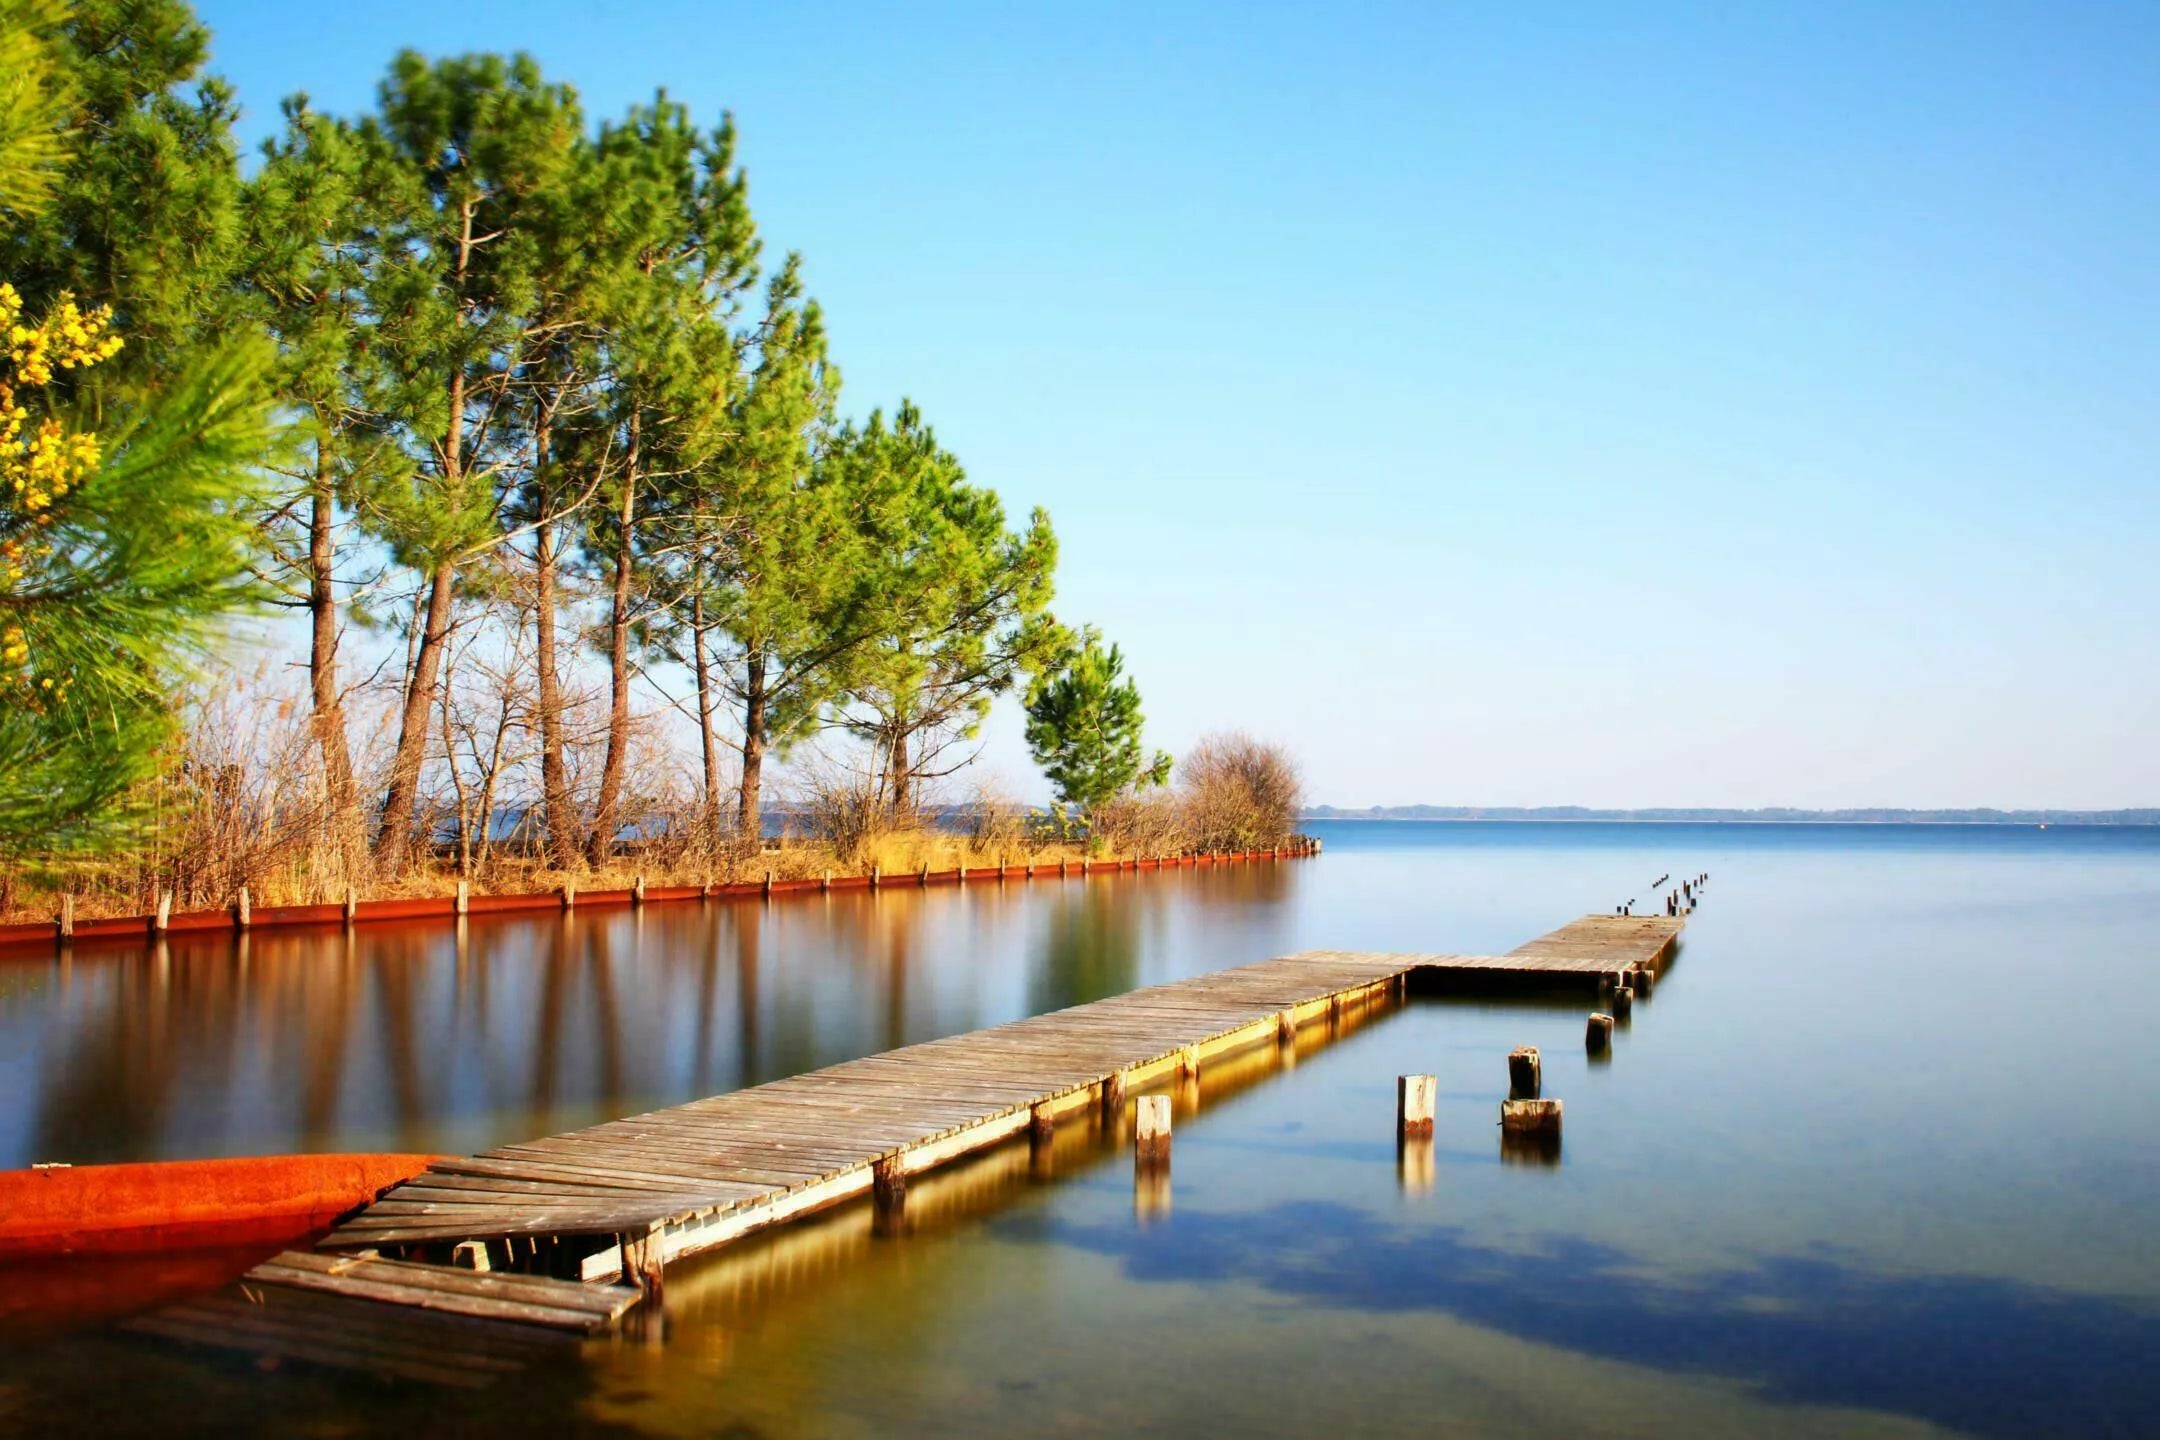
x=244 y=803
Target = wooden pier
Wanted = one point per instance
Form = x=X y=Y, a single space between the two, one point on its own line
x=546 y=1232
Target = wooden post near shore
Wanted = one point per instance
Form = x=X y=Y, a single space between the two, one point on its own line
x=1530 y=1117
x=464 y=897
x=1642 y=981
x=1112 y=1102
x=163 y=917
x=352 y=904
x=67 y=918
x=242 y=915
x=569 y=894
x=1286 y=1028
x=637 y=890
x=768 y=884
x=641 y=1264
x=1151 y=1131
x=1598 y=1035
x=1526 y=1073
x=888 y=1193
x=1623 y=1001
x=1414 y=1103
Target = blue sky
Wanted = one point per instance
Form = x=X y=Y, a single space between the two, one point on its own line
x=1617 y=405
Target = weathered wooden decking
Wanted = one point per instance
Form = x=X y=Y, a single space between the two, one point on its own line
x=633 y=1194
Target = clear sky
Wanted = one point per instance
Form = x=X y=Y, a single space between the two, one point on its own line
x=1501 y=404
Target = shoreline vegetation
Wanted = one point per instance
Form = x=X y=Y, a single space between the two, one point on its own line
x=506 y=427
x=1770 y=816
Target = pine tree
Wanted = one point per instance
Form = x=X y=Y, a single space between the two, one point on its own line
x=124 y=532
x=955 y=601
x=673 y=245
x=143 y=214
x=758 y=550
x=1084 y=727
x=469 y=156
x=307 y=222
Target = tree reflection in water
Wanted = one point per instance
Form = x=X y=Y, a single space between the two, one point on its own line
x=435 y=1037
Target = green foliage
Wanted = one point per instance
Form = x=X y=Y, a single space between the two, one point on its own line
x=1084 y=727
x=146 y=559
x=33 y=103
x=115 y=584
x=143 y=212
x=954 y=603
x=464 y=171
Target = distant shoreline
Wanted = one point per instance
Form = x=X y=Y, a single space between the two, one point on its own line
x=2097 y=819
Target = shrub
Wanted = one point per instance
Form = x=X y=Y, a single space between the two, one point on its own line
x=1237 y=793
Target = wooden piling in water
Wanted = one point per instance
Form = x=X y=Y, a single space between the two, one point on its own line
x=1151 y=1130
x=1599 y=1034
x=1525 y=1073
x=888 y=1184
x=1112 y=1102
x=1530 y=1117
x=67 y=918
x=642 y=1264
x=1623 y=1001
x=1414 y=1103
x=241 y=911
x=162 y=921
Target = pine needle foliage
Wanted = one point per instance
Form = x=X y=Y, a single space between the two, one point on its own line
x=1084 y=727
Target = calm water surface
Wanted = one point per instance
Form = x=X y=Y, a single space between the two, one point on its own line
x=1879 y=1158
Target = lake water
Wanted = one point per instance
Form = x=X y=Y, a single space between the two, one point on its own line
x=1880 y=1157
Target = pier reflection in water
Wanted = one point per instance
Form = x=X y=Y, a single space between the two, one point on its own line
x=455 y=1038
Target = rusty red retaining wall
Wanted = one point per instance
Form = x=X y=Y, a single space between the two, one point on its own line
x=45 y=935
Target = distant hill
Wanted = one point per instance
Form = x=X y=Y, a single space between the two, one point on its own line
x=1774 y=815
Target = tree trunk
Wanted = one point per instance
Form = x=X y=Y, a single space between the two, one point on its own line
x=457 y=780
x=606 y=809
x=749 y=821
x=394 y=833
x=329 y=708
x=896 y=771
x=558 y=820
x=701 y=663
x=394 y=830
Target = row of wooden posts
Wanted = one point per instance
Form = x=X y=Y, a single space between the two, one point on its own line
x=1678 y=902
x=1525 y=1112
x=159 y=921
